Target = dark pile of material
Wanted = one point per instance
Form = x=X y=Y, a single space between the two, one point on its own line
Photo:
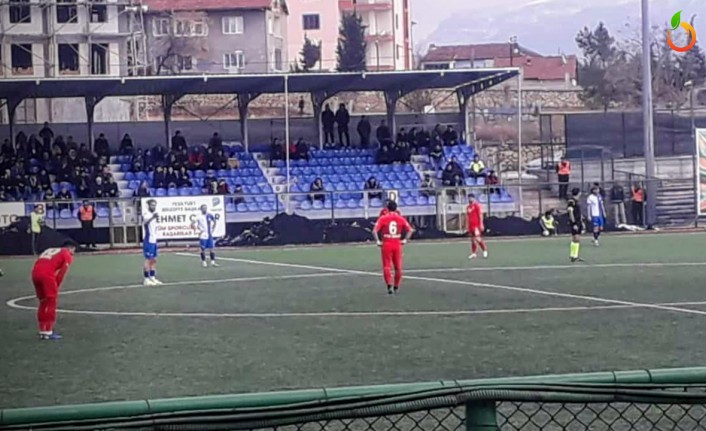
x=16 y=240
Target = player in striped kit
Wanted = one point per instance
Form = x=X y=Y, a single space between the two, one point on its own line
x=205 y=225
x=149 y=243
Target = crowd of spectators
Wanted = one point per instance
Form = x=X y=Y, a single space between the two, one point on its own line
x=45 y=166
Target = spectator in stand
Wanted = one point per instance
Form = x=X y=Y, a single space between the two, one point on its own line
x=373 y=189
x=71 y=144
x=21 y=144
x=300 y=105
x=343 y=119
x=87 y=215
x=450 y=136
x=276 y=150
x=98 y=191
x=423 y=138
x=183 y=179
x=301 y=150
x=5 y=162
x=238 y=194
x=101 y=146
x=196 y=159
x=438 y=132
x=171 y=177
x=222 y=188
x=159 y=181
x=436 y=156
x=617 y=198
x=85 y=156
x=328 y=119
x=427 y=186
x=182 y=159
x=47 y=196
x=221 y=160
x=364 y=130
x=447 y=177
x=73 y=159
x=638 y=205
x=412 y=140
x=383 y=134
x=44 y=178
x=63 y=172
x=138 y=161
x=47 y=135
x=548 y=224
x=492 y=180
x=143 y=191
x=172 y=159
x=178 y=142
x=216 y=142
x=477 y=168
x=563 y=170
x=401 y=135
x=7 y=149
x=126 y=146
x=403 y=152
x=456 y=168
x=83 y=190
x=384 y=156
x=159 y=154
x=111 y=188
x=316 y=191
x=65 y=196
x=4 y=197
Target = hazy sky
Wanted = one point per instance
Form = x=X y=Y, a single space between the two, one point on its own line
x=480 y=20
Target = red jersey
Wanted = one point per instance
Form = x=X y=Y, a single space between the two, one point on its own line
x=475 y=215
x=392 y=226
x=54 y=262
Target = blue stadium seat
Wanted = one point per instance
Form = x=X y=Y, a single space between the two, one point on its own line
x=318 y=205
x=185 y=191
x=340 y=204
x=65 y=214
x=129 y=176
x=199 y=174
x=267 y=206
x=102 y=212
x=470 y=182
x=305 y=205
x=252 y=207
x=432 y=200
x=141 y=176
x=421 y=200
x=480 y=181
x=172 y=192
x=376 y=203
x=161 y=192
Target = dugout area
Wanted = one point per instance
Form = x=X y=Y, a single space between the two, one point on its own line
x=319 y=317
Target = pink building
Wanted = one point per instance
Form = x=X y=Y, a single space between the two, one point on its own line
x=318 y=20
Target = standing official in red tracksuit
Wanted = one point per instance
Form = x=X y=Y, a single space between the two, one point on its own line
x=47 y=275
x=390 y=227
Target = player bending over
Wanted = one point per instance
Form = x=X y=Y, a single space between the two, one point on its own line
x=47 y=275
x=205 y=224
x=149 y=244
x=576 y=224
x=388 y=234
x=596 y=210
x=474 y=210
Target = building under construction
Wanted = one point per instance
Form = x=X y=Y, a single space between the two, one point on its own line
x=55 y=38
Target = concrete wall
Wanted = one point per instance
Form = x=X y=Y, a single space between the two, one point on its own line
x=147 y=134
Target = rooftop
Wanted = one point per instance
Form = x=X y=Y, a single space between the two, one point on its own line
x=181 y=5
x=481 y=51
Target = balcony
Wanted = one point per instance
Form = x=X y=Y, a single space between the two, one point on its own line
x=373 y=5
x=379 y=37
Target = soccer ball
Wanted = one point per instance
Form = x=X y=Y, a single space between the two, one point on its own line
x=545 y=233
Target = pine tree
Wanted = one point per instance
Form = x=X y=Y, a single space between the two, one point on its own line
x=597 y=69
x=351 y=44
x=310 y=55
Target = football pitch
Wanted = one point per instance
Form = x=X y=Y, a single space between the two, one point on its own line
x=270 y=319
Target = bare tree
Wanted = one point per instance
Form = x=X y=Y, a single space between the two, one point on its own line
x=185 y=42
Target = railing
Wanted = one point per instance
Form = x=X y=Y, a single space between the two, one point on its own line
x=623 y=400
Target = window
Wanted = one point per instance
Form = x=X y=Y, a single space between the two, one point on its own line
x=399 y=50
x=160 y=27
x=160 y=64
x=20 y=12
x=270 y=25
x=278 y=59
x=188 y=28
x=99 y=59
x=99 y=12
x=184 y=62
x=66 y=12
x=397 y=21
x=233 y=61
x=233 y=25
x=68 y=59
x=21 y=59
x=311 y=21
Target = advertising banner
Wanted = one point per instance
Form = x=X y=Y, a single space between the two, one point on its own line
x=10 y=212
x=177 y=214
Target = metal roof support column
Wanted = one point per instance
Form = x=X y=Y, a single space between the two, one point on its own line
x=168 y=101
x=391 y=98
x=91 y=102
x=464 y=95
x=12 y=105
x=244 y=100
x=317 y=102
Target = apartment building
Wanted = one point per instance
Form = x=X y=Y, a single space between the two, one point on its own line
x=216 y=36
x=389 y=32
x=317 y=20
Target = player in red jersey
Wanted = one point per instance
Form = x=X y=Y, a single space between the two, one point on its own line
x=474 y=210
x=386 y=211
x=388 y=234
x=47 y=275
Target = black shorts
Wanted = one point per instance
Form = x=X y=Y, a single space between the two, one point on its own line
x=576 y=229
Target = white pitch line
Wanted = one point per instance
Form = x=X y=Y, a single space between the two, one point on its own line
x=572 y=267
x=473 y=284
x=13 y=303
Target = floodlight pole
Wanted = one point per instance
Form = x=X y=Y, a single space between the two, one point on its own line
x=647 y=113
x=286 y=125
x=519 y=140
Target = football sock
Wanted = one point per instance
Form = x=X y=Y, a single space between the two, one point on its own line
x=146 y=273
x=482 y=245
x=203 y=256
x=213 y=256
x=596 y=235
x=152 y=273
x=474 y=247
x=575 y=250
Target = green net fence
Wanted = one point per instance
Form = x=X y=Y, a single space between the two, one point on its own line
x=644 y=400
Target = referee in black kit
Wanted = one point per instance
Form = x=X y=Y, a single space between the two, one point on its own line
x=576 y=224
